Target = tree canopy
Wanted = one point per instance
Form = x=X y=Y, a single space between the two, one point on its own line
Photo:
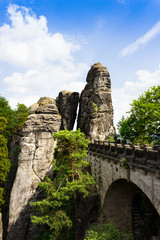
x=143 y=123
x=15 y=118
x=58 y=210
x=4 y=161
x=10 y=122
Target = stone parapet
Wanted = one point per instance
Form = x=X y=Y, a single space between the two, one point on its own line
x=145 y=157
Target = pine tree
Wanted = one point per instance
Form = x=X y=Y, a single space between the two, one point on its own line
x=58 y=210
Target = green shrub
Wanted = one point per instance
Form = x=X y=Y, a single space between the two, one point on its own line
x=15 y=118
x=110 y=138
x=106 y=232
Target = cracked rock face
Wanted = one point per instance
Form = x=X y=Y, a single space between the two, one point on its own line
x=34 y=162
x=95 y=117
x=67 y=103
x=1 y=227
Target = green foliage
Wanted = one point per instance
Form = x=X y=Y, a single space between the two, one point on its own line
x=4 y=161
x=125 y=163
x=110 y=138
x=94 y=107
x=58 y=210
x=144 y=120
x=21 y=114
x=106 y=232
x=15 y=118
x=10 y=122
x=8 y=113
x=3 y=124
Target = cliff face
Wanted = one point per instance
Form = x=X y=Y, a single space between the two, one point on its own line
x=34 y=161
x=67 y=103
x=1 y=227
x=13 y=157
x=95 y=117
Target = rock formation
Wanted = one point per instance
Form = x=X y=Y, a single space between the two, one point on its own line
x=13 y=157
x=35 y=160
x=95 y=117
x=1 y=227
x=37 y=144
x=67 y=103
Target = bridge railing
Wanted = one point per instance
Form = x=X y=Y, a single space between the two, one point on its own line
x=136 y=155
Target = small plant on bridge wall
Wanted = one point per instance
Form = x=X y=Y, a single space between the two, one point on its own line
x=110 y=138
x=106 y=232
x=125 y=163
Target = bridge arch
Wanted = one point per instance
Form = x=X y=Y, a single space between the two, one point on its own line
x=130 y=209
x=147 y=183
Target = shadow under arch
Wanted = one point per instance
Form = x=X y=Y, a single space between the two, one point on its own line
x=130 y=210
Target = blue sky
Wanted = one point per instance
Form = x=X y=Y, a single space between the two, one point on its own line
x=48 y=46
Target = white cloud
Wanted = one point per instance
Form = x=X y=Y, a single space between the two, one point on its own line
x=76 y=86
x=45 y=80
x=46 y=59
x=27 y=42
x=27 y=100
x=131 y=90
x=140 y=42
x=123 y=1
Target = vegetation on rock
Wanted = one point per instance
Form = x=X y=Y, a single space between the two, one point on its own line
x=94 y=107
x=143 y=123
x=57 y=212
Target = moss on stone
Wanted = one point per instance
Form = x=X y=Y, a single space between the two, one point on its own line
x=46 y=101
x=97 y=65
x=65 y=92
x=94 y=107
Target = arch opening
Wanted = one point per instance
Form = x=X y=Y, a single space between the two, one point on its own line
x=130 y=210
x=145 y=219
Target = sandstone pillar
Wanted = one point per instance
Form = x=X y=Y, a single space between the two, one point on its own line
x=95 y=117
x=67 y=103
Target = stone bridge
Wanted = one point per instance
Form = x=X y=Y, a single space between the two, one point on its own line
x=128 y=182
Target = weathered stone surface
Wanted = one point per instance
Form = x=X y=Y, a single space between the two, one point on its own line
x=34 y=162
x=44 y=105
x=1 y=227
x=95 y=117
x=67 y=103
x=13 y=157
